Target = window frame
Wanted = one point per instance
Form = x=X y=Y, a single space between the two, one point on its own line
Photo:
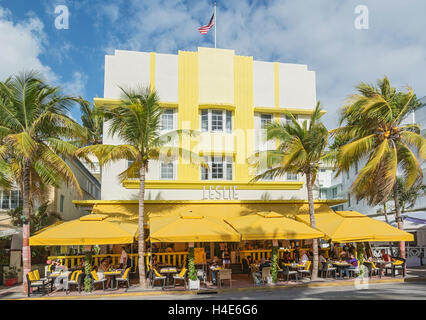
x=226 y=164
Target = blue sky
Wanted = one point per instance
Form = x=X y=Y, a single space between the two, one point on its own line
x=320 y=34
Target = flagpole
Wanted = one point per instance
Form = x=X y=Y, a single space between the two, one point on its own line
x=215 y=25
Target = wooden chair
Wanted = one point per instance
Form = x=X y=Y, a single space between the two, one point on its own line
x=224 y=274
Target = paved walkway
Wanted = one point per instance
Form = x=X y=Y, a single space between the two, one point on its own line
x=240 y=283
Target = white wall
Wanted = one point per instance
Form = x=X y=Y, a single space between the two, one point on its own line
x=263 y=84
x=166 y=76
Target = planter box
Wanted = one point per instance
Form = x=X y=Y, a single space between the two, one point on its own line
x=10 y=282
x=194 y=284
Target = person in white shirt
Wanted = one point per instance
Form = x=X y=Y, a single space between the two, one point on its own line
x=123 y=258
x=304 y=257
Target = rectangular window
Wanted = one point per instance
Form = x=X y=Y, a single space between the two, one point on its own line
x=14 y=201
x=349 y=199
x=323 y=194
x=347 y=175
x=265 y=119
x=292 y=176
x=229 y=121
x=5 y=200
x=166 y=171
x=61 y=203
x=220 y=168
x=217 y=120
x=204 y=120
x=334 y=193
x=167 y=120
x=356 y=167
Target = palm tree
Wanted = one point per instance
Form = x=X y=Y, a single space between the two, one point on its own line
x=34 y=134
x=374 y=131
x=93 y=121
x=301 y=150
x=136 y=121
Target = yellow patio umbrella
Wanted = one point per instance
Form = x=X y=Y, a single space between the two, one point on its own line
x=271 y=226
x=88 y=230
x=191 y=228
x=352 y=226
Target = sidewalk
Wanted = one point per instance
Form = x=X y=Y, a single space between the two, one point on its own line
x=240 y=283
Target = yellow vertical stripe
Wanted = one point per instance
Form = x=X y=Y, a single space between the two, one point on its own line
x=152 y=71
x=188 y=115
x=277 y=85
x=244 y=116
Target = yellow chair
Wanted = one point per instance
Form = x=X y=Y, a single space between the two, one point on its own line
x=76 y=280
x=95 y=280
x=124 y=278
x=34 y=283
x=306 y=269
x=180 y=276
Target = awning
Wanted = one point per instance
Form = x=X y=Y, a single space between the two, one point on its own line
x=271 y=225
x=352 y=226
x=88 y=230
x=191 y=228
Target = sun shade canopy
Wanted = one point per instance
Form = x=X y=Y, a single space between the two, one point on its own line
x=88 y=230
x=191 y=228
x=352 y=226
x=271 y=226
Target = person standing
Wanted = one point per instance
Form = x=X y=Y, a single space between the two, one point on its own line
x=226 y=258
x=123 y=258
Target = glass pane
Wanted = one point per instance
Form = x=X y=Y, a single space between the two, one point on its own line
x=292 y=176
x=5 y=200
x=228 y=121
x=217 y=168
x=167 y=171
x=229 y=171
x=204 y=120
x=217 y=120
x=264 y=120
x=14 y=199
x=167 y=120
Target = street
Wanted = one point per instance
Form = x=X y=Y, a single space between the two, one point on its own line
x=398 y=291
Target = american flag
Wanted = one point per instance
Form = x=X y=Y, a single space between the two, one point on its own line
x=206 y=28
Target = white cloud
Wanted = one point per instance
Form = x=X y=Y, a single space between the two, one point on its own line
x=22 y=44
x=320 y=34
x=75 y=87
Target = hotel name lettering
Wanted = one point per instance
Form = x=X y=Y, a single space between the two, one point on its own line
x=220 y=193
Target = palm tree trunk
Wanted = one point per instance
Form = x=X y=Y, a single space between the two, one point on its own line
x=399 y=221
x=26 y=250
x=313 y=225
x=387 y=221
x=141 y=243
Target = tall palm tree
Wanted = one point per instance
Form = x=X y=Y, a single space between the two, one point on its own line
x=34 y=140
x=374 y=132
x=93 y=121
x=136 y=121
x=301 y=150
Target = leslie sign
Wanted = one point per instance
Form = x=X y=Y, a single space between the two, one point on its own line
x=220 y=193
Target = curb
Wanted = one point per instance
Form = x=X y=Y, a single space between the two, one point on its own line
x=228 y=290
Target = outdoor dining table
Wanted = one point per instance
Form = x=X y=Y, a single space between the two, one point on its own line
x=168 y=272
x=340 y=266
x=294 y=265
x=113 y=274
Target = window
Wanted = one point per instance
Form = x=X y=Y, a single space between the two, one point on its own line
x=349 y=199
x=323 y=194
x=61 y=203
x=5 y=200
x=166 y=171
x=167 y=120
x=265 y=119
x=292 y=176
x=356 y=167
x=347 y=175
x=14 y=201
x=334 y=193
x=220 y=168
x=216 y=120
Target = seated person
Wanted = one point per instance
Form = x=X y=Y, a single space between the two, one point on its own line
x=322 y=259
x=104 y=265
x=354 y=265
x=286 y=258
x=264 y=264
x=303 y=257
x=255 y=273
x=343 y=255
x=214 y=264
x=59 y=266
x=385 y=256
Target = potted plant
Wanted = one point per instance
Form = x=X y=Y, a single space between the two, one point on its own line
x=11 y=277
x=193 y=282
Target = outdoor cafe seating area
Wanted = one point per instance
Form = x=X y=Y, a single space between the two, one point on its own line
x=226 y=253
